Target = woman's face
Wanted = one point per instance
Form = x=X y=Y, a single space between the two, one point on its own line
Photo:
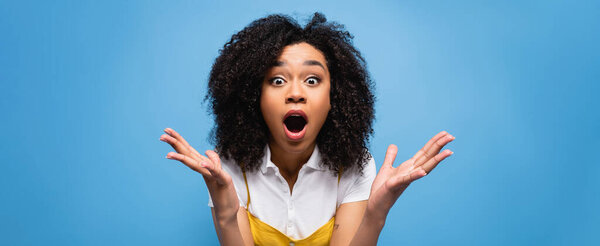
x=295 y=97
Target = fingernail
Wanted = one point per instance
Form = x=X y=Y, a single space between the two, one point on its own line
x=203 y=164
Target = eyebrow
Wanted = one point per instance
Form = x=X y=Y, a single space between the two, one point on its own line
x=307 y=63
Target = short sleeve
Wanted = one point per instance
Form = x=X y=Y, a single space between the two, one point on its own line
x=238 y=181
x=360 y=186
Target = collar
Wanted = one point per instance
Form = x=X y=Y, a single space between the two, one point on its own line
x=313 y=162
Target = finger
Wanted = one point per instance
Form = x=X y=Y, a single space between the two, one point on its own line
x=177 y=136
x=215 y=171
x=390 y=155
x=405 y=180
x=216 y=164
x=190 y=162
x=203 y=159
x=433 y=162
x=434 y=149
x=422 y=152
x=214 y=157
x=176 y=144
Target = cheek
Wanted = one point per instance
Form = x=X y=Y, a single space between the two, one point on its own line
x=264 y=101
x=323 y=105
x=268 y=106
x=327 y=99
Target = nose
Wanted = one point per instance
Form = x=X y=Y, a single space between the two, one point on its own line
x=295 y=93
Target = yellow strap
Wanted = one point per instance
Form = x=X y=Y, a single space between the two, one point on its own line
x=265 y=234
x=247 y=190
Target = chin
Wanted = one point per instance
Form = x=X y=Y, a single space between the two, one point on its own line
x=296 y=146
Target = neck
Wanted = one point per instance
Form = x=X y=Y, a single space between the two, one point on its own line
x=289 y=163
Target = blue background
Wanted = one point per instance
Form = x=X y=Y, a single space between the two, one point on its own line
x=87 y=88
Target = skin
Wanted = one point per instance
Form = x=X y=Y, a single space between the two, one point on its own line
x=293 y=85
x=300 y=81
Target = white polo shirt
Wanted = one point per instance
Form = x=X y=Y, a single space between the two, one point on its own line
x=313 y=200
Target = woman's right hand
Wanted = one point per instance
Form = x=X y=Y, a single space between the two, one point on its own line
x=218 y=182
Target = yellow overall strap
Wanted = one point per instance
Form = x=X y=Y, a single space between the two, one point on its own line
x=247 y=190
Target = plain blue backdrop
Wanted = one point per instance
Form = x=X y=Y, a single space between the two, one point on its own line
x=88 y=86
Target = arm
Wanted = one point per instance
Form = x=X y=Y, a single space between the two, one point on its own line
x=391 y=181
x=228 y=232
x=227 y=210
x=347 y=220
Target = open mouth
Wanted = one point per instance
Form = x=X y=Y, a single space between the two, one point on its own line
x=295 y=124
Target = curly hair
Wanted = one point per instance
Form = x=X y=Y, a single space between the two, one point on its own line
x=235 y=81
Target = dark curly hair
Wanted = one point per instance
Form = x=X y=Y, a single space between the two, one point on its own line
x=234 y=91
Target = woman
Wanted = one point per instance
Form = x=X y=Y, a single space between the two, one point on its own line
x=293 y=111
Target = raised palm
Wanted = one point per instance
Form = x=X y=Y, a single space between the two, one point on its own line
x=391 y=181
x=219 y=183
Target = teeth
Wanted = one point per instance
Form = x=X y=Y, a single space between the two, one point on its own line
x=298 y=115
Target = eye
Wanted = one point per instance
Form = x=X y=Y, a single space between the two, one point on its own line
x=313 y=81
x=277 y=81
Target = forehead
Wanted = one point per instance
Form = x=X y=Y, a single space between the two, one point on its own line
x=299 y=53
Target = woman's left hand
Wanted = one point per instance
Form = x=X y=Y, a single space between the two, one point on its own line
x=391 y=181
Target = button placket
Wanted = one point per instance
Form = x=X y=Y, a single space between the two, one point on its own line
x=290 y=203
x=291 y=214
x=284 y=187
x=290 y=211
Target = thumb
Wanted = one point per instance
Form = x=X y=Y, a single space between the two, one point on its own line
x=390 y=156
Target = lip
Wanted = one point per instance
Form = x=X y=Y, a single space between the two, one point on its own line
x=295 y=136
x=297 y=112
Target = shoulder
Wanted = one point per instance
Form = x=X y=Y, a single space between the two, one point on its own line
x=368 y=170
x=230 y=166
x=356 y=185
x=237 y=176
x=235 y=171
